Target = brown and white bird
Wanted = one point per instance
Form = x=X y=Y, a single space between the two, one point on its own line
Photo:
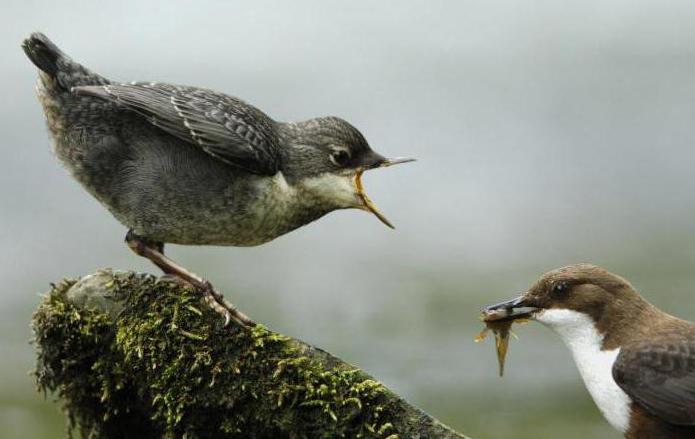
x=637 y=361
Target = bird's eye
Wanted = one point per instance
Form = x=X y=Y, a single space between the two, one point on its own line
x=560 y=289
x=340 y=157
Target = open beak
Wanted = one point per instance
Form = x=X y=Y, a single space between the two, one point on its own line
x=368 y=204
x=518 y=308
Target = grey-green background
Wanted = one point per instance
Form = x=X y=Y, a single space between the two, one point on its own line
x=547 y=133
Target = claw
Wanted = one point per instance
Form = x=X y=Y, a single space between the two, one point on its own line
x=212 y=301
x=217 y=302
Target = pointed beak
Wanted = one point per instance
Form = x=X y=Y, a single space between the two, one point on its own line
x=397 y=161
x=367 y=204
x=510 y=310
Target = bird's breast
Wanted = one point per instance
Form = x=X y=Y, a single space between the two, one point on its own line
x=277 y=207
x=249 y=210
x=595 y=365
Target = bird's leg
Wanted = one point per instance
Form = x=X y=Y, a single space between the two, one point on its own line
x=154 y=251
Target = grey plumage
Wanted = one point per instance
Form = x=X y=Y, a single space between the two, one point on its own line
x=189 y=165
x=223 y=126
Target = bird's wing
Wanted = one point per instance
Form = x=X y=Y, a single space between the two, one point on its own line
x=660 y=377
x=223 y=126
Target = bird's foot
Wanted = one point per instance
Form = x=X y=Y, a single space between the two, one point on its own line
x=213 y=298
x=217 y=302
x=154 y=251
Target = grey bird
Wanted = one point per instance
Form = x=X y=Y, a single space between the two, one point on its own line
x=187 y=165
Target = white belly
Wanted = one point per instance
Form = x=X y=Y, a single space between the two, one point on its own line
x=595 y=365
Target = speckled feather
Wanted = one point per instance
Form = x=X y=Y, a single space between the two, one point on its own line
x=223 y=126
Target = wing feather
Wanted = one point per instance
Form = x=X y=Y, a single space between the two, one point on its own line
x=660 y=376
x=223 y=126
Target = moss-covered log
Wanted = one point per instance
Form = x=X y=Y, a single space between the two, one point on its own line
x=132 y=356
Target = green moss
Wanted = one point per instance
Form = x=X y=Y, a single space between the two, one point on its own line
x=164 y=366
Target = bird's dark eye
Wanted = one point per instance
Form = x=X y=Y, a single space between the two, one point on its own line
x=340 y=157
x=560 y=289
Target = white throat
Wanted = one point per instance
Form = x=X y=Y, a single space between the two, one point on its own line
x=580 y=335
x=337 y=190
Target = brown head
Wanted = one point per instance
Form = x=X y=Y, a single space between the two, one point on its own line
x=571 y=297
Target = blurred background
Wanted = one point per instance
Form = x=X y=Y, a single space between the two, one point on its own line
x=547 y=133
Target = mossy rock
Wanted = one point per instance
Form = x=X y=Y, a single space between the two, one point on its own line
x=131 y=356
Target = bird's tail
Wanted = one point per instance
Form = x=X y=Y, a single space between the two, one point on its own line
x=58 y=68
